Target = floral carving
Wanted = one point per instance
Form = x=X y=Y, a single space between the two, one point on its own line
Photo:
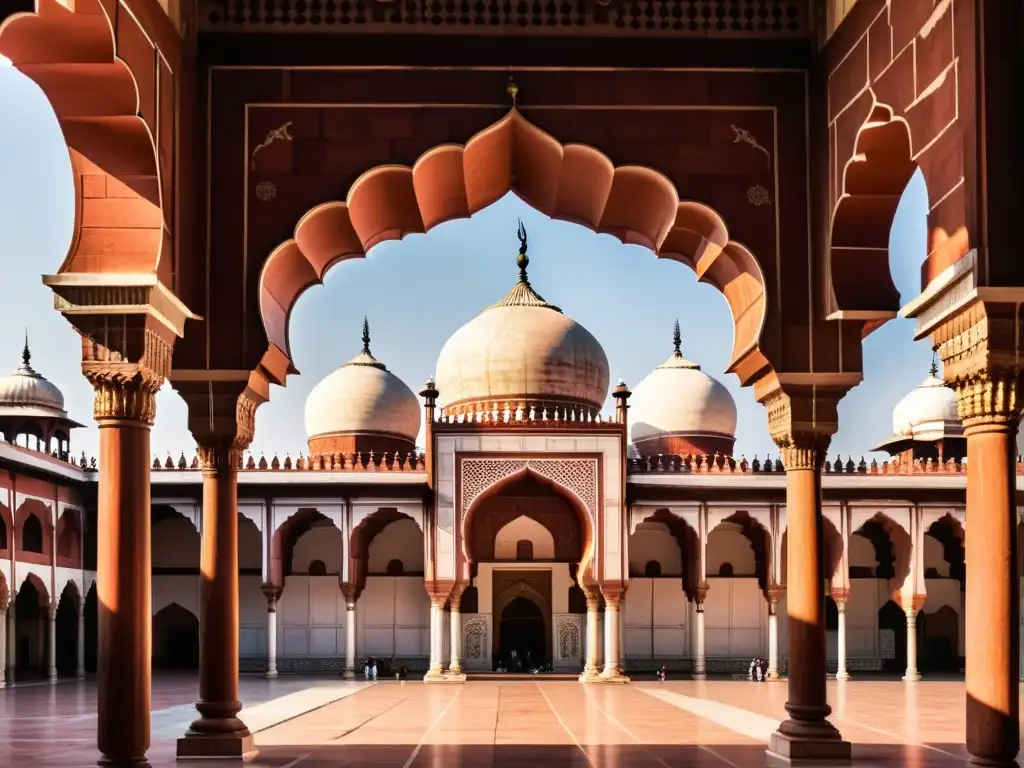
x=474 y=637
x=569 y=640
x=578 y=476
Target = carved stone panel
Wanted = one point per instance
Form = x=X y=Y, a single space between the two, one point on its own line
x=568 y=641
x=476 y=642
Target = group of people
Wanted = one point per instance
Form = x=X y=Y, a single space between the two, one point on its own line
x=386 y=668
x=758 y=670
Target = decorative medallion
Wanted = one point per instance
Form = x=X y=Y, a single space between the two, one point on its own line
x=266 y=191
x=758 y=195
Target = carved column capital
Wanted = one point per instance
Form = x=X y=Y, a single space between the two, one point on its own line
x=593 y=603
x=802 y=425
x=126 y=369
x=222 y=418
x=455 y=598
x=841 y=597
x=351 y=594
x=774 y=594
x=989 y=400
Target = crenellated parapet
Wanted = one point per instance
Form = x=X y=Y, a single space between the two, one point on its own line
x=338 y=462
x=717 y=464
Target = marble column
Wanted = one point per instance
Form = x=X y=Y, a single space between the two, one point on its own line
x=218 y=732
x=42 y=632
x=3 y=640
x=773 y=637
x=591 y=667
x=11 y=660
x=989 y=406
x=80 y=666
x=807 y=734
x=455 y=626
x=350 y=633
x=51 y=644
x=273 y=594
x=436 y=611
x=124 y=408
x=842 y=673
x=612 y=662
x=699 y=661
x=912 y=675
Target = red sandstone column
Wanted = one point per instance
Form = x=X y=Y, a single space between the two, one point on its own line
x=124 y=412
x=807 y=734
x=990 y=412
x=218 y=732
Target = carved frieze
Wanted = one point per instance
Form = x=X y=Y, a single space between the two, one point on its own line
x=476 y=641
x=568 y=638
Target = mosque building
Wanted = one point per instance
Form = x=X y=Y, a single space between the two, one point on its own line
x=532 y=531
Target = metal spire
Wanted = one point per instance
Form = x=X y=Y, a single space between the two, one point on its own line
x=935 y=363
x=522 y=260
x=366 y=337
x=26 y=355
x=677 y=340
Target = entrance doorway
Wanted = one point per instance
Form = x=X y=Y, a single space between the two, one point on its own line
x=175 y=639
x=521 y=636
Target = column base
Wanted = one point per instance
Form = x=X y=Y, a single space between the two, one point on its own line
x=613 y=677
x=194 y=746
x=842 y=676
x=700 y=675
x=590 y=676
x=815 y=744
x=455 y=677
x=434 y=675
x=773 y=675
x=53 y=676
x=912 y=677
x=271 y=674
x=80 y=674
x=113 y=762
x=349 y=674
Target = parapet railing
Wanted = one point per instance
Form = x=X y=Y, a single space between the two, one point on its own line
x=325 y=462
x=718 y=464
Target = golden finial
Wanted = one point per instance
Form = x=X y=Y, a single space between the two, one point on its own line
x=512 y=89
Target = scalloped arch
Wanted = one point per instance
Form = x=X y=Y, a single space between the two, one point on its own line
x=72 y=56
x=571 y=182
x=873 y=182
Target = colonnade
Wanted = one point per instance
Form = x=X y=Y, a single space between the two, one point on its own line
x=125 y=408
x=47 y=630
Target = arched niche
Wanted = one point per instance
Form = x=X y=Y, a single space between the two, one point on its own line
x=67 y=629
x=31 y=613
x=175 y=639
x=175 y=542
x=944 y=550
x=305 y=536
x=35 y=534
x=544 y=504
x=673 y=543
x=891 y=546
x=69 y=538
x=524 y=530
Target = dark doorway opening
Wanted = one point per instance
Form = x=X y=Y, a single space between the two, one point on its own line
x=67 y=635
x=175 y=640
x=91 y=630
x=521 y=645
x=891 y=616
x=31 y=627
x=938 y=638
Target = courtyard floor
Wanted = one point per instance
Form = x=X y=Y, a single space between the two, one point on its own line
x=321 y=722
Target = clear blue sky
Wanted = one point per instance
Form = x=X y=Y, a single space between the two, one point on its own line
x=417 y=292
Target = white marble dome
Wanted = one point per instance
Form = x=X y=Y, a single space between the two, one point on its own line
x=362 y=397
x=931 y=405
x=29 y=393
x=524 y=352
x=678 y=399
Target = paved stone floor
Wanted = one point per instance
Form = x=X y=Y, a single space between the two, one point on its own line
x=321 y=722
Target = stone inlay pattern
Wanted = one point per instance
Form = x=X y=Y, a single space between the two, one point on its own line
x=579 y=476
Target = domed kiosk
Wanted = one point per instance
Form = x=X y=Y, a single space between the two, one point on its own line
x=926 y=424
x=31 y=406
x=679 y=410
x=522 y=353
x=362 y=407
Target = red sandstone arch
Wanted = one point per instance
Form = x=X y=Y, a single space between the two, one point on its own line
x=362 y=537
x=40 y=587
x=899 y=538
x=8 y=521
x=585 y=569
x=949 y=532
x=760 y=542
x=284 y=538
x=102 y=72
x=68 y=538
x=42 y=513
x=72 y=593
x=571 y=182
x=689 y=547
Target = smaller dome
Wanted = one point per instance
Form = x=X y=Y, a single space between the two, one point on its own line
x=29 y=393
x=678 y=400
x=929 y=407
x=362 y=397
